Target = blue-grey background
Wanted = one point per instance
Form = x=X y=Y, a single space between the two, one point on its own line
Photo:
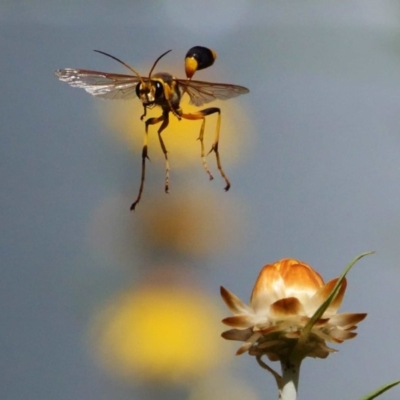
x=321 y=181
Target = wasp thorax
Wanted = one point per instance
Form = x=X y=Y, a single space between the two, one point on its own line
x=149 y=92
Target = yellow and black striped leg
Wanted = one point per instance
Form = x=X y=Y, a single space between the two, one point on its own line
x=152 y=121
x=201 y=139
x=201 y=115
x=165 y=119
x=144 y=113
x=144 y=156
x=202 y=154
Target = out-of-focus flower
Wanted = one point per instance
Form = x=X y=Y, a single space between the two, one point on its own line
x=285 y=296
x=158 y=333
x=167 y=228
x=123 y=121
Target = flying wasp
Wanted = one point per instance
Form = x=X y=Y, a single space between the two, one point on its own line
x=163 y=90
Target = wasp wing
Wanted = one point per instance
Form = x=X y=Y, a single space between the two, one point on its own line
x=100 y=84
x=204 y=92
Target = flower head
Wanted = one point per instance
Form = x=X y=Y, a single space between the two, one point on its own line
x=285 y=297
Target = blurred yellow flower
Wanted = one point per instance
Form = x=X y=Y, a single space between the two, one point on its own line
x=180 y=136
x=158 y=333
x=193 y=221
x=285 y=296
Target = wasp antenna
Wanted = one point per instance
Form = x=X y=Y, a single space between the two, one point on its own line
x=123 y=63
x=155 y=62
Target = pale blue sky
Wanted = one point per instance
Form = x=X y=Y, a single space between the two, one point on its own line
x=321 y=181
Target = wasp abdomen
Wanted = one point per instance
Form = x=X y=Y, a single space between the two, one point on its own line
x=198 y=57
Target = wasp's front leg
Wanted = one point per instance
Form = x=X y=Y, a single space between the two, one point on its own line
x=143 y=173
x=144 y=113
x=152 y=121
x=165 y=119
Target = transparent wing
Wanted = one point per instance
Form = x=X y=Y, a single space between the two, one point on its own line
x=204 y=92
x=100 y=84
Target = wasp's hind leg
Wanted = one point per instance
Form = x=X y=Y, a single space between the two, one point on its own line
x=202 y=154
x=197 y=116
x=201 y=115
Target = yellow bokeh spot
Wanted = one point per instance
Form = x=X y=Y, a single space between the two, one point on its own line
x=180 y=137
x=158 y=333
x=199 y=222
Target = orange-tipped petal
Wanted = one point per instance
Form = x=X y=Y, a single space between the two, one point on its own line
x=239 y=321
x=321 y=322
x=340 y=335
x=267 y=279
x=237 y=334
x=268 y=288
x=347 y=320
x=246 y=346
x=284 y=308
x=299 y=277
x=269 y=329
x=233 y=302
x=285 y=278
x=321 y=351
x=337 y=301
x=321 y=295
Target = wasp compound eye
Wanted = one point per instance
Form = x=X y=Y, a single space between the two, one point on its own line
x=138 y=86
x=159 y=90
x=197 y=58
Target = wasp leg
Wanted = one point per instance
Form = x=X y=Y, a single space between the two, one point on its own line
x=201 y=115
x=201 y=139
x=144 y=113
x=144 y=156
x=202 y=154
x=152 y=121
x=165 y=119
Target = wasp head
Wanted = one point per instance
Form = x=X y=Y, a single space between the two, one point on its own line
x=149 y=92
